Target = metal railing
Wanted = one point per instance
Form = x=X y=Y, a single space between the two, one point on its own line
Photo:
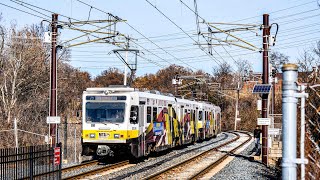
x=29 y=163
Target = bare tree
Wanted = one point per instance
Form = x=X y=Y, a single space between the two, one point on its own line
x=223 y=74
x=243 y=69
x=277 y=59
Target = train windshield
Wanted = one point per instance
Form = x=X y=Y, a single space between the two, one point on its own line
x=105 y=112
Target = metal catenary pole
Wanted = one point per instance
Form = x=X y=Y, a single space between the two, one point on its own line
x=265 y=80
x=289 y=121
x=53 y=78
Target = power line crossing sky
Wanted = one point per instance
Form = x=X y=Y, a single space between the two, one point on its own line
x=165 y=30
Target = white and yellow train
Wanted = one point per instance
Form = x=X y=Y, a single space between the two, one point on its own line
x=118 y=119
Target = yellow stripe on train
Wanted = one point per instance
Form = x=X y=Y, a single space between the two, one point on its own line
x=109 y=134
x=200 y=125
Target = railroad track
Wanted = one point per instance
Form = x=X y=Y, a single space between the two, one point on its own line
x=78 y=166
x=188 y=172
x=98 y=170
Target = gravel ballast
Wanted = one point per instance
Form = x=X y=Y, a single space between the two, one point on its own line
x=242 y=168
x=153 y=164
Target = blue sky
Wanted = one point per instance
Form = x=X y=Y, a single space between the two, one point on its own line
x=298 y=20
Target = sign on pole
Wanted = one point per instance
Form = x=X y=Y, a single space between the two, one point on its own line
x=57 y=156
x=53 y=120
x=238 y=119
x=273 y=131
x=264 y=121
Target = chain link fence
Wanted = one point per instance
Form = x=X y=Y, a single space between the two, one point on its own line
x=70 y=136
x=312 y=141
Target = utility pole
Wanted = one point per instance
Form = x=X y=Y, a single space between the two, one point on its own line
x=265 y=80
x=125 y=66
x=273 y=90
x=53 y=79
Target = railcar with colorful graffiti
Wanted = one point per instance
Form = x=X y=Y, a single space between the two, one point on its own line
x=122 y=119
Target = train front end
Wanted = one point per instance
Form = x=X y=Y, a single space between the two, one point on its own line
x=106 y=128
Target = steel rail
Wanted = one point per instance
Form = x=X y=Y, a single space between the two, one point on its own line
x=184 y=162
x=67 y=169
x=220 y=160
x=99 y=170
x=78 y=166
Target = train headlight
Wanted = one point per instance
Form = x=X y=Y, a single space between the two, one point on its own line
x=92 y=135
x=116 y=136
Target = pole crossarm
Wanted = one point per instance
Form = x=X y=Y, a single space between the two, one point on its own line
x=235 y=24
x=90 y=41
x=116 y=51
x=87 y=32
x=235 y=30
x=97 y=21
x=223 y=31
x=229 y=43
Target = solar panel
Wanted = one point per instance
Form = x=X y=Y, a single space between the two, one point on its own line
x=261 y=89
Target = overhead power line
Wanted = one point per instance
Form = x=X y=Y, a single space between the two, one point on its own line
x=24 y=11
x=141 y=35
x=215 y=59
x=70 y=18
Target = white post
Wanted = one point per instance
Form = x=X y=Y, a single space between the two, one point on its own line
x=16 y=132
x=75 y=144
x=125 y=70
x=236 y=114
x=302 y=134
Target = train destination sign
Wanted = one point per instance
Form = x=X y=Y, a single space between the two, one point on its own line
x=106 y=98
x=264 y=121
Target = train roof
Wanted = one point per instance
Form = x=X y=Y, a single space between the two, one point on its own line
x=148 y=94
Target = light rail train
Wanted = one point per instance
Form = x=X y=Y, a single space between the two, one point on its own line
x=122 y=119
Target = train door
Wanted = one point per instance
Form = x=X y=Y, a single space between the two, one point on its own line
x=181 y=115
x=138 y=144
x=214 y=122
x=201 y=125
x=211 y=122
x=141 y=130
x=196 y=119
x=171 y=130
x=175 y=126
x=193 y=124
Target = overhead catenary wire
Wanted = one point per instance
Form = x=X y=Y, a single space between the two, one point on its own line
x=239 y=20
x=292 y=45
x=141 y=35
x=197 y=14
x=305 y=34
x=24 y=11
x=215 y=59
x=72 y=19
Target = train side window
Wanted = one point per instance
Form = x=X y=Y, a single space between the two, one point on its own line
x=148 y=114
x=155 y=114
x=134 y=114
